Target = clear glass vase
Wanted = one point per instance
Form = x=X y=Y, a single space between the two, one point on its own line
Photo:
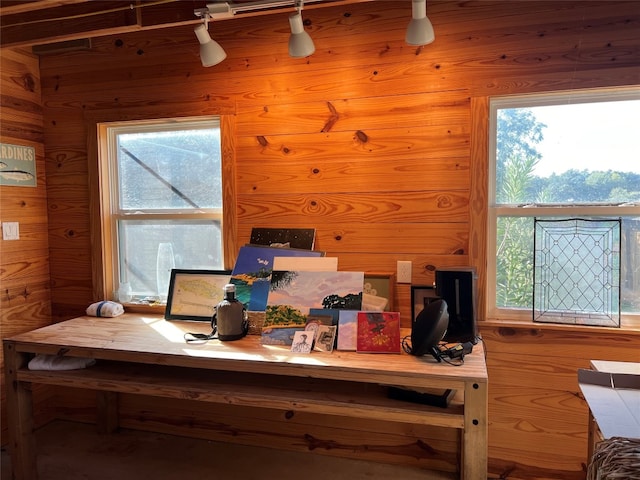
x=165 y=263
x=124 y=292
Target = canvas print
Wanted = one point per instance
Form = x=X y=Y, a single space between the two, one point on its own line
x=252 y=272
x=334 y=313
x=378 y=332
x=325 y=338
x=284 y=237
x=316 y=264
x=294 y=296
x=302 y=342
x=347 y=330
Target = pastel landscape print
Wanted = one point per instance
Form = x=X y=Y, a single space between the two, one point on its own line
x=294 y=294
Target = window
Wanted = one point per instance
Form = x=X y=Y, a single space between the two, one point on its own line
x=161 y=202
x=553 y=156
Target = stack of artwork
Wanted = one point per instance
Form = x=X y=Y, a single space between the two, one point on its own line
x=252 y=272
x=309 y=305
x=300 y=300
x=317 y=310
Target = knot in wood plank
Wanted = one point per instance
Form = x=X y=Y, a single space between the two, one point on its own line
x=362 y=137
x=333 y=118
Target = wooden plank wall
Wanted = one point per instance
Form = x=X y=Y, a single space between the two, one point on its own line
x=382 y=148
x=536 y=410
x=25 y=294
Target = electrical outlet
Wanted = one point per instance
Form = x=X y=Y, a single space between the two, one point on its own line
x=10 y=231
x=404 y=271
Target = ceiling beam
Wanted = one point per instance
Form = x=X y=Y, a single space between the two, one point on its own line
x=11 y=7
x=53 y=21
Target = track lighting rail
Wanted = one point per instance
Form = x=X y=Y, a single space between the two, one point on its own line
x=57 y=22
x=221 y=10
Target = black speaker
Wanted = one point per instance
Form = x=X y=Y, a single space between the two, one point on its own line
x=457 y=286
x=428 y=329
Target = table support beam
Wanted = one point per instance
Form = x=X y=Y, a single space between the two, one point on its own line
x=20 y=414
x=474 y=436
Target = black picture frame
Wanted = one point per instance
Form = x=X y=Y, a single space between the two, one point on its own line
x=210 y=281
x=421 y=296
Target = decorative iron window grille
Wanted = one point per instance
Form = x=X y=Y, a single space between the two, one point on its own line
x=576 y=271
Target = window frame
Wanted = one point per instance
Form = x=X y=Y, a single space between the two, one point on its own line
x=103 y=231
x=494 y=211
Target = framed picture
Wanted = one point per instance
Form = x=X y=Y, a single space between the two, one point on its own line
x=325 y=338
x=377 y=293
x=194 y=294
x=284 y=237
x=421 y=296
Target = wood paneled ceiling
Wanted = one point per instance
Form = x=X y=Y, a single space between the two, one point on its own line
x=44 y=22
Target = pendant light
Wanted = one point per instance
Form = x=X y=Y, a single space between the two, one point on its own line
x=420 y=31
x=300 y=43
x=211 y=53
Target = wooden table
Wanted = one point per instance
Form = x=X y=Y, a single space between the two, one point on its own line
x=147 y=355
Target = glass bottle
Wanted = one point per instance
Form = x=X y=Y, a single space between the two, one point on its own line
x=124 y=292
x=165 y=263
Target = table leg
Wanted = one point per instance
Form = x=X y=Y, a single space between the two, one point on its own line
x=107 y=413
x=22 y=446
x=474 y=437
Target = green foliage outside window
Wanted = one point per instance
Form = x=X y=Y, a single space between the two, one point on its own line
x=518 y=132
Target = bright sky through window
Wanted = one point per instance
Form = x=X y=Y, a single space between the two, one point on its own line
x=575 y=137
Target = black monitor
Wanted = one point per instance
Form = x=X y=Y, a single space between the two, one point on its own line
x=429 y=328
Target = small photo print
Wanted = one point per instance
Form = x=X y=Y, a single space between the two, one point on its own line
x=325 y=336
x=302 y=341
x=315 y=321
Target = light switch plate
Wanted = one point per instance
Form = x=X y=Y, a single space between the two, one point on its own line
x=10 y=231
x=404 y=271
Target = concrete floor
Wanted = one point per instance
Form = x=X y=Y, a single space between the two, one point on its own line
x=74 y=451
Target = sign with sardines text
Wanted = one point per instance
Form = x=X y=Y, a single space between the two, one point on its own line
x=17 y=165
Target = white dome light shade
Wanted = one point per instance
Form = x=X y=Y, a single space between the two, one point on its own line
x=211 y=53
x=420 y=31
x=300 y=43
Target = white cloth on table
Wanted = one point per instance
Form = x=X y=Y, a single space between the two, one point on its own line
x=105 y=308
x=56 y=362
